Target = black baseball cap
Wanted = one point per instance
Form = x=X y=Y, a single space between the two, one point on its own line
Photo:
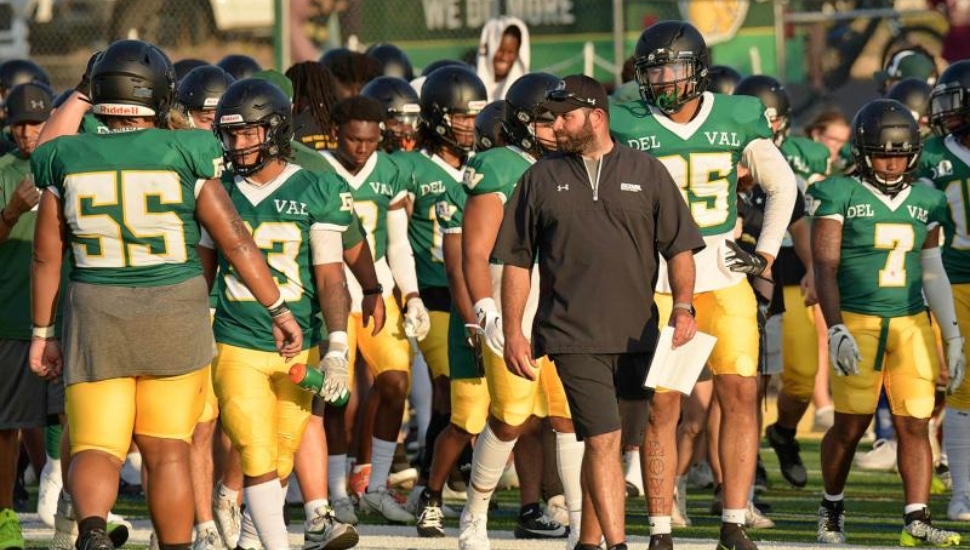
x=29 y=102
x=574 y=92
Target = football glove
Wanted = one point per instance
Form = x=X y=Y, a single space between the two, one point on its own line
x=956 y=363
x=335 y=367
x=741 y=261
x=491 y=322
x=843 y=351
x=417 y=322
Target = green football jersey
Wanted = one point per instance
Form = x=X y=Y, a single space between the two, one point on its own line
x=91 y=125
x=496 y=171
x=15 y=254
x=946 y=163
x=309 y=159
x=808 y=159
x=879 y=269
x=427 y=179
x=701 y=156
x=280 y=215
x=129 y=201
x=450 y=208
x=375 y=188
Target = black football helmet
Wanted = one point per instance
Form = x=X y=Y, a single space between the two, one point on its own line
x=524 y=98
x=676 y=47
x=488 y=126
x=774 y=96
x=394 y=62
x=183 y=66
x=202 y=87
x=402 y=109
x=239 y=66
x=915 y=94
x=133 y=78
x=255 y=102
x=21 y=71
x=950 y=101
x=435 y=65
x=722 y=79
x=885 y=127
x=448 y=91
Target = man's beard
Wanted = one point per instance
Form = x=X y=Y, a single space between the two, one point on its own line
x=576 y=143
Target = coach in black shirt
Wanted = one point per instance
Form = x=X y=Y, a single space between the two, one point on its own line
x=596 y=215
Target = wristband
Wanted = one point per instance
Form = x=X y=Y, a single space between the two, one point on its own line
x=43 y=333
x=686 y=306
x=278 y=311
x=379 y=289
x=277 y=303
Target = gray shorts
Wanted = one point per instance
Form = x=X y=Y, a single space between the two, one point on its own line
x=121 y=331
x=26 y=400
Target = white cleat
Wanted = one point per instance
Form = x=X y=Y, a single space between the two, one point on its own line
x=473 y=531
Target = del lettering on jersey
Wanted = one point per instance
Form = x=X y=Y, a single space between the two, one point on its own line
x=382 y=188
x=285 y=206
x=644 y=143
x=432 y=188
x=860 y=211
x=723 y=138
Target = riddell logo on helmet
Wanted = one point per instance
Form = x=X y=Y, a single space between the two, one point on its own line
x=119 y=110
x=230 y=119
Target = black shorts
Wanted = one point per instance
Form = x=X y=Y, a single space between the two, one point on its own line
x=595 y=383
x=26 y=400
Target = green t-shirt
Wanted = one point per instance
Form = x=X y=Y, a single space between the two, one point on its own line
x=129 y=202
x=946 y=164
x=375 y=188
x=879 y=269
x=280 y=215
x=427 y=178
x=808 y=159
x=701 y=156
x=15 y=254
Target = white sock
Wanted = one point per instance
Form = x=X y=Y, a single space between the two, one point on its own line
x=569 y=454
x=488 y=462
x=52 y=470
x=834 y=498
x=733 y=515
x=310 y=508
x=660 y=525
x=131 y=470
x=916 y=507
x=265 y=504
x=337 y=476
x=631 y=463
x=421 y=395
x=225 y=493
x=956 y=442
x=381 y=458
x=248 y=537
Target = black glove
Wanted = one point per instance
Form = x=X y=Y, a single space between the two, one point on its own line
x=742 y=261
x=84 y=86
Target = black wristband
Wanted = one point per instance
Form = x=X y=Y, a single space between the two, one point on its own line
x=379 y=289
x=279 y=310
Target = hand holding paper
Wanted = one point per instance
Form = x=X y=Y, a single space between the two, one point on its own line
x=678 y=368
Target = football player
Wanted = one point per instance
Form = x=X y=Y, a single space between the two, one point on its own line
x=489 y=180
x=198 y=94
x=402 y=110
x=702 y=138
x=137 y=333
x=875 y=251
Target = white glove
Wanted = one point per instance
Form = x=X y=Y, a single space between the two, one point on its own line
x=843 y=351
x=335 y=367
x=417 y=322
x=956 y=362
x=491 y=322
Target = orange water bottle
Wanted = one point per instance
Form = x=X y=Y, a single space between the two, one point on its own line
x=312 y=380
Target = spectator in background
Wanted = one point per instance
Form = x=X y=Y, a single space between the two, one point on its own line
x=831 y=128
x=956 y=43
x=314 y=95
x=503 y=54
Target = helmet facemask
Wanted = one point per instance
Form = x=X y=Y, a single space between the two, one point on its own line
x=949 y=112
x=267 y=149
x=669 y=80
x=401 y=132
x=864 y=160
x=443 y=126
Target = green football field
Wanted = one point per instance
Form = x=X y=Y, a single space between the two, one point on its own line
x=873 y=515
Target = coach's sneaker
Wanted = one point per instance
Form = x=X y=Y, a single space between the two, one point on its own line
x=733 y=537
x=383 y=502
x=473 y=531
x=919 y=532
x=324 y=532
x=959 y=508
x=343 y=510
x=789 y=457
x=831 y=522
x=10 y=534
x=755 y=519
x=226 y=513
x=208 y=538
x=430 y=519
x=95 y=539
x=533 y=524
x=882 y=457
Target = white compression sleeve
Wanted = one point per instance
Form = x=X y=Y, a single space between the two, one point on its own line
x=939 y=296
x=326 y=246
x=399 y=254
x=769 y=168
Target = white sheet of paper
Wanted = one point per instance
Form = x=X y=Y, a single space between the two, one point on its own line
x=678 y=369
